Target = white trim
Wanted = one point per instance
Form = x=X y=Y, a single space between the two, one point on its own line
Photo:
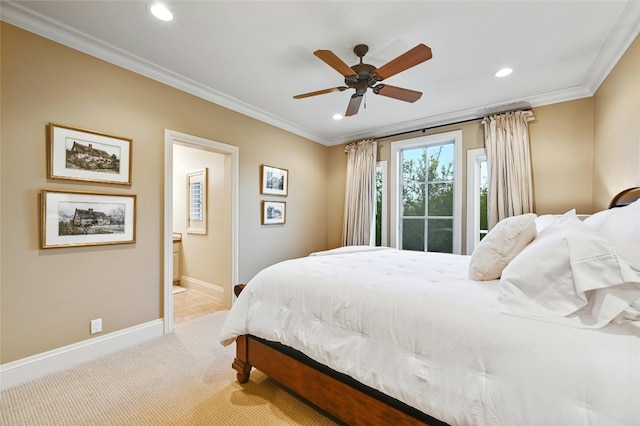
x=396 y=148
x=172 y=137
x=394 y=211
x=203 y=287
x=36 y=366
x=474 y=157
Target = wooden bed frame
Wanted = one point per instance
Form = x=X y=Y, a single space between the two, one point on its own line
x=626 y=197
x=338 y=394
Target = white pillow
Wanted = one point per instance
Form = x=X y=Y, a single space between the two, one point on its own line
x=596 y=220
x=545 y=220
x=621 y=226
x=500 y=245
x=569 y=275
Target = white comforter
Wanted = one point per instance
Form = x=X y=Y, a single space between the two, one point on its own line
x=413 y=325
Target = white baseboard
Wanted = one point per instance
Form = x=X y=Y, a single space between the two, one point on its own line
x=36 y=366
x=203 y=287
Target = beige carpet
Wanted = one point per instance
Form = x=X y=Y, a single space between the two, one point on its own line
x=181 y=379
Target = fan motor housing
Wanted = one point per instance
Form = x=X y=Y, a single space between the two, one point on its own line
x=364 y=76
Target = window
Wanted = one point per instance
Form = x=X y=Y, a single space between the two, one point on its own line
x=381 y=203
x=195 y=205
x=426 y=192
x=477 y=192
x=197 y=201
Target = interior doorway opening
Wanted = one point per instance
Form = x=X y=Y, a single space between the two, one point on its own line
x=231 y=165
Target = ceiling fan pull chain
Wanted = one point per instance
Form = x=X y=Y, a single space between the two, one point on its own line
x=365 y=100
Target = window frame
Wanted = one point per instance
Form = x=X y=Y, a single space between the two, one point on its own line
x=424 y=141
x=474 y=158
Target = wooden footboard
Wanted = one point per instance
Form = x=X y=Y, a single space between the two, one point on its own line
x=337 y=394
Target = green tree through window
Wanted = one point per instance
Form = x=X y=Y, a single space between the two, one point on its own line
x=427 y=198
x=484 y=194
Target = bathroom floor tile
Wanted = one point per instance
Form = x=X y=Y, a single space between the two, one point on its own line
x=191 y=304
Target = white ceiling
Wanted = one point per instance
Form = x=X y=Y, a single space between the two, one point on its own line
x=253 y=56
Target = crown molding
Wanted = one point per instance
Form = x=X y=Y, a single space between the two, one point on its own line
x=624 y=33
x=13 y=13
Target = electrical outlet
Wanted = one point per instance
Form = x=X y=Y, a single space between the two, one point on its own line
x=96 y=326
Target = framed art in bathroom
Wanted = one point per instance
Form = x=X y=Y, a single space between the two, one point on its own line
x=88 y=155
x=73 y=218
x=274 y=181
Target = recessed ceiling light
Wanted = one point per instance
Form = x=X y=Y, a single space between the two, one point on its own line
x=504 y=72
x=161 y=12
x=337 y=117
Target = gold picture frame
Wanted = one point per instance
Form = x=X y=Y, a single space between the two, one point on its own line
x=274 y=212
x=74 y=218
x=88 y=155
x=274 y=180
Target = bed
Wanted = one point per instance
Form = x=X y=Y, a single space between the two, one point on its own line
x=384 y=336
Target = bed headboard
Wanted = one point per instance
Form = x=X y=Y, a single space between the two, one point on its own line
x=625 y=197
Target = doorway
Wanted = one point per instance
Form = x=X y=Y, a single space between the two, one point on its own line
x=231 y=154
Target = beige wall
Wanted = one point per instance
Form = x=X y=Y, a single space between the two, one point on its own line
x=561 y=140
x=336 y=181
x=49 y=296
x=616 y=159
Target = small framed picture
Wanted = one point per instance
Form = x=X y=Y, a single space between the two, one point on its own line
x=71 y=219
x=87 y=155
x=274 y=181
x=273 y=212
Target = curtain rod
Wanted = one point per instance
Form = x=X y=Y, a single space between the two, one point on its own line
x=424 y=129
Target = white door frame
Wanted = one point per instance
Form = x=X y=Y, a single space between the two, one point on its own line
x=172 y=138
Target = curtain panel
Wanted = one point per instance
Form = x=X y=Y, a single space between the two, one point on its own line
x=360 y=193
x=510 y=190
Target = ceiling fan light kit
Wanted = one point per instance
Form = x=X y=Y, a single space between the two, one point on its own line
x=364 y=76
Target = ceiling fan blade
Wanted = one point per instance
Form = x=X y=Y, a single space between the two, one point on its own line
x=320 y=92
x=410 y=58
x=354 y=105
x=336 y=63
x=397 y=92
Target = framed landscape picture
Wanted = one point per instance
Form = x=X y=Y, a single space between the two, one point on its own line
x=71 y=219
x=87 y=155
x=273 y=212
x=274 y=181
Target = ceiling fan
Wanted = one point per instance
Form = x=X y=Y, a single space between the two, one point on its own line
x=363 y=76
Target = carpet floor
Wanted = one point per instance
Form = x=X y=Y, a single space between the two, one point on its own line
x=184 y=378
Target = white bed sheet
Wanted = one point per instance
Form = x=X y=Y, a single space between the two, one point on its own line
x=412 y=325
